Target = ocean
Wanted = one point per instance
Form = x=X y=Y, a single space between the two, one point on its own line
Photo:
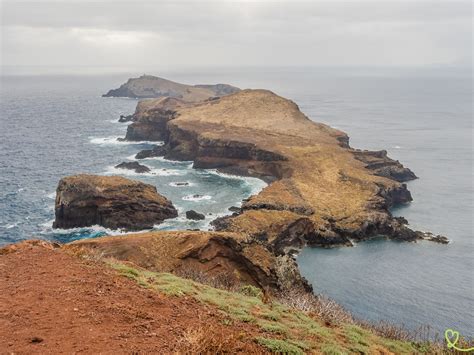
x=57 y=125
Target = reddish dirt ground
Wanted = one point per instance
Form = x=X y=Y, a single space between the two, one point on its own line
x=52 y=302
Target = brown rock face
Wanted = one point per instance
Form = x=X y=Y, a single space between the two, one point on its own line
x=229 y=256
x=110 y=201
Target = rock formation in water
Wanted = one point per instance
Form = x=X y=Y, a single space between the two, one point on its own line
x=148 y=86
x=321 y=192
x=157 y=151
x=192 y=214
x=110 y=201
x=135 y=166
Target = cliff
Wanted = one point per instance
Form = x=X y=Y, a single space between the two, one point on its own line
x=216 y=255
x=148 y=86
x=319 y=186
x=110 y=201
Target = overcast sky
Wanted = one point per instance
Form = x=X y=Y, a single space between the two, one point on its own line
x=229 y=33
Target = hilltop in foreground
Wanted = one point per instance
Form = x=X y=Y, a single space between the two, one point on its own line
x=54 y=302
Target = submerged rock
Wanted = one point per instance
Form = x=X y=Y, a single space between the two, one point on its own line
x=194 y=215
x=135 y=166
x=181 y=183
x=109 y=201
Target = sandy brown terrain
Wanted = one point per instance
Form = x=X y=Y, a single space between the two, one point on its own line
x=52 y=302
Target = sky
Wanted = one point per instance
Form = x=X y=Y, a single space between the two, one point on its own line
x=382 y=33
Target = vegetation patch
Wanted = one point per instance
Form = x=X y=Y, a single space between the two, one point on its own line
x=289 y=330
x=280 y=346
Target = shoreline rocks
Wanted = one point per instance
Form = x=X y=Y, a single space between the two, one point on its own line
x=109 y=201
x=157 y=151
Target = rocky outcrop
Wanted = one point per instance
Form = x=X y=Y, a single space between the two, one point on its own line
x=148 y=86
x=191 y=214
x=157 y=151
x=151 y=127
x=321 y=192
x=110 y=201
x=229 y=256
x=135 y=166
x=382 y=165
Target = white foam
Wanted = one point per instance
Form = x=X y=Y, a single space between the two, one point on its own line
x=397 y=147
x=113 y=140
x=97 y=228
x=256 y=184
x=47 y=225
x=196 y=197
x=112 y=170
x=188 y=163
x=52 y=195
x=10 y=226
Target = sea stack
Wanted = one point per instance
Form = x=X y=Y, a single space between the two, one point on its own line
x=109 y=201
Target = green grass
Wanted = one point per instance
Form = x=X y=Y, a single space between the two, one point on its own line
x=290 y=331
x=280 y=346
x=332 y=349
x=358 y=338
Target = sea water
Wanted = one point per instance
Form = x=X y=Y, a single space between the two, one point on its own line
x=53 y=126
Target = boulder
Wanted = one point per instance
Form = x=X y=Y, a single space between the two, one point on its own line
x=110 y=201
x=135 y=166
x=194 y=215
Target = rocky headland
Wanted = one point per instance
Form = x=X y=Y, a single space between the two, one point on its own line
x=110 y=201
x=149 y=86
x=321 y=191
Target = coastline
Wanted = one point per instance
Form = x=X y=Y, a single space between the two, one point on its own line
x=418 y=184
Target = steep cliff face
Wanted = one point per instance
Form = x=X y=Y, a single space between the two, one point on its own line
x=226 y=256
x=110 y=201
x=321 y=192
x=148 y=86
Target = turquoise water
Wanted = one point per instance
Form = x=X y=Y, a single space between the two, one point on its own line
x=56 y=126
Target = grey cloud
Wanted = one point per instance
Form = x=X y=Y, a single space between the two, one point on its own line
x=249 y=33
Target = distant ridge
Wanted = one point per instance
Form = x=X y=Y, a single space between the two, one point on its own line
x=149 y=86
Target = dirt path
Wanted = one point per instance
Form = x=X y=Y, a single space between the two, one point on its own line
x=51 y=302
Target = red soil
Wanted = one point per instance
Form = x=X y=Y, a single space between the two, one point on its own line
x=52 y=302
